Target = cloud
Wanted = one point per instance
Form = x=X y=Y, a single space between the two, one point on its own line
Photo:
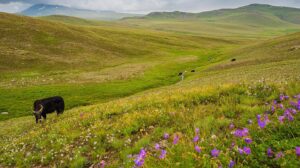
x=13 y=7
x=144 y=6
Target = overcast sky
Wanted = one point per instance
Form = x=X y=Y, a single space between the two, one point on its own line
x=143 y=6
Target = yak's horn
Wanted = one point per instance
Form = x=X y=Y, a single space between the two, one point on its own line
x=42 y=107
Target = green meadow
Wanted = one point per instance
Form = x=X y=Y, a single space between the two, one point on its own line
x=123 y=95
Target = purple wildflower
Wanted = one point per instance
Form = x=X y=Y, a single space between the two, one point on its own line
x=247 y=150
x=281 y=106
x=297 y=149
x=262 y=122
x=293 y=111
x=215 y=153
x=157 y=146
x=281 y=97
x=279 y=155
x=275 y=102
x=248 y=140
x=198 y=149
x=139 y=161
x=166 y=136
x=241 y=132
x=245 y=131
x=288 y=115
x=241 y=151
x=196 y=138
x=291 y=118
x=175 y=139
x=231 y=164
x=197 y=130
x=281 y=119
x=258 y=116
x=102 y=164
x=163 y=154
x=294 y=104
x=231 y=126
x=270 y=153
x=232 y=145
x=273 y=109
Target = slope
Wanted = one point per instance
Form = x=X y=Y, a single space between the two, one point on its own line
x=249 y=21
x=275 y=61
x=89 y=64
x=71 y=20
x=272 y=13
x=162 y=122
x=59 y=44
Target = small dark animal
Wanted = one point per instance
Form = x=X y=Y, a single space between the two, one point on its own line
x=193 y=70
x=44 y=106
x=232 y=60
x=180 y=73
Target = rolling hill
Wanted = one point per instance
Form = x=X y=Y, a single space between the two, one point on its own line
x=247 y=21
x=125 y=103
x=73 y=20
x=265 y=14
x=26 y=43
x=40 y=58
x=46 y=10
x=167 y=120
x=274 y=61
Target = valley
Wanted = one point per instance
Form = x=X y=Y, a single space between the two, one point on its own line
x=123 y=93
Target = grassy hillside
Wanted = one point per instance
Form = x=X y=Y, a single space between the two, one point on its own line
x=255 y=15
x=275 y=61
x=275 y=15
x=116 y=132
x=64 y=46
x=72 y=20
x=251 y=21
x=89 y=64
x=126 y=106
x=221 y=99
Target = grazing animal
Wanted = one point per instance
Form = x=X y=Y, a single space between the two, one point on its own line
x=181 y=74
x=233 y=60
x=193 y=70
x=45 y=106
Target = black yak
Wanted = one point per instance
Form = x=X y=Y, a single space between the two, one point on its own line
x=44 y=106
x=193 y=70
x=233 y=60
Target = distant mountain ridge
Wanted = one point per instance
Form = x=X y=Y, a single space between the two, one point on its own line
x=46 y=10
x=253 y=14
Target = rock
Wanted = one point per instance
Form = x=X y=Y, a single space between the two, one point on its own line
x=4 y=113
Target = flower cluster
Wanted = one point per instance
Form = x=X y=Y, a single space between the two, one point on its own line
x=140 y=159
x=243 y=133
